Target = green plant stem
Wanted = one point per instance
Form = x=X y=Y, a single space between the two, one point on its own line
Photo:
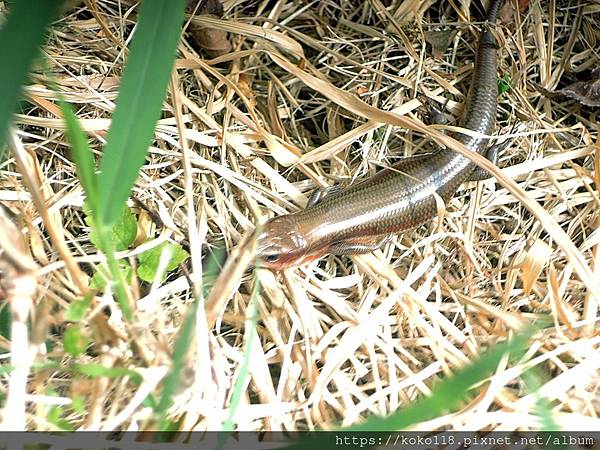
x=242 y=378
x=122 y=294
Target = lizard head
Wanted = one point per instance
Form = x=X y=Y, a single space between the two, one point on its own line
x=280 y=244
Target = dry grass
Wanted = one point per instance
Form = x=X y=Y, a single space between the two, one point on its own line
x=299 y=104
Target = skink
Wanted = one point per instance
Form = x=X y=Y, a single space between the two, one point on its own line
x=362 y=217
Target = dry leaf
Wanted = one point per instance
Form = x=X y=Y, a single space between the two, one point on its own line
x=244 y=86
x=535 y=260
x=562 y=310
x=256 y=32
x=440 y=41
x=214 y=40
x=585 y=92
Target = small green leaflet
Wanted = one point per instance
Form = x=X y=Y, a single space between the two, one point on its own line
x=55 y=418
x=503 y=84
x=150 y=260
x=77 y=309
x=74 y=340
x=123 y=232
x=99 y=279
x=94 y=370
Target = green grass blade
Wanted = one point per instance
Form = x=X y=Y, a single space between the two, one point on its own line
x=139 y=102
x=448 y=395
x=20 y=40
x=94 y=370
x=180 y=352
x=82 y=155
x=244 y=372
x=242 y=378
x=543 y=407
x=213 y=263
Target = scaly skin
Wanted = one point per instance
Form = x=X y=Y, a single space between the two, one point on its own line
x=397 y=199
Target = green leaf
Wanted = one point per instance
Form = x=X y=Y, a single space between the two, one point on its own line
x=6 y=369
x=77 y=309
x=149 y=402
x=124 y=229
x=212 y=265
x=82 y=155
x=104 y=238
x=139 y=103
x=122 y=233
x=49 y=345
x=55 y=418
x=93 y=370
x=149 y=260
x=46 y=365
x=5 y=322
x=21 y=37
x=78 y=404
x=120 y=236
x=74 y=340
x=89 y=214
x=100 y=278
x=503 y=84
x=50 y=391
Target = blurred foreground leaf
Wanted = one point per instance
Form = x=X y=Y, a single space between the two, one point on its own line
x=21 y=37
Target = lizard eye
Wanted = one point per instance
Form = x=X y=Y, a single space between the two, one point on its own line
x=273 y=257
